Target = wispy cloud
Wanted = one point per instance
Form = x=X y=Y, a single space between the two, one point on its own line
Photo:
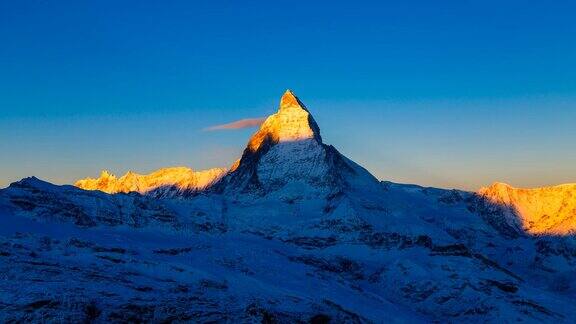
x=238 y=124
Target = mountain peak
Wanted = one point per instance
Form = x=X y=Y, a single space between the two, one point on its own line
x=107 y=174
x=289 y=100
x=291 y=123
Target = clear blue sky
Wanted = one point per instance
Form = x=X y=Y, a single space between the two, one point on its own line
x=444 y=93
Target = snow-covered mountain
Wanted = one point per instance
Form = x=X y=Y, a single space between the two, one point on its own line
x=294 y=232
x=166 y=181
x=286 y=156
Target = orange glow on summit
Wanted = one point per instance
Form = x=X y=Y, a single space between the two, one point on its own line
x=290 y=123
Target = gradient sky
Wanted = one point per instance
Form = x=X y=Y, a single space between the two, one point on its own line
x=441 y=93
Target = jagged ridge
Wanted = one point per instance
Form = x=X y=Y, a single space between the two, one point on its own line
x=182 y=179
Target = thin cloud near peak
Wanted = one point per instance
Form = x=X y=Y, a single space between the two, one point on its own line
x=238 y=124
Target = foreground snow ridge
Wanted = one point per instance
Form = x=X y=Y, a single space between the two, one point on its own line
x=293 y=232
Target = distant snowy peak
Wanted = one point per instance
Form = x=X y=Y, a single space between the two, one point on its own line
x=158 y=182
x=546 y=210
x=287 y=153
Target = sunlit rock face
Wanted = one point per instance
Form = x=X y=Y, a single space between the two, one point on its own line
x=291 y=123
x=177 y=178
x=547 y=210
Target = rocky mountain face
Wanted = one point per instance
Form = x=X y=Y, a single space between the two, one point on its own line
x=294 y=232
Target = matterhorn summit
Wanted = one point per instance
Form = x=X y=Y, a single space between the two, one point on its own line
x=293 y=122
